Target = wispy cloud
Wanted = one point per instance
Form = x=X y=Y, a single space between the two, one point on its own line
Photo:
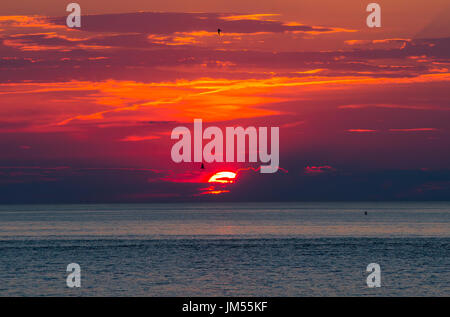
x=135 y=138
x=316 y=170
x=361 y=130
x=414 y=130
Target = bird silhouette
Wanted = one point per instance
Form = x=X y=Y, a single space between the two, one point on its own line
x=219 y=31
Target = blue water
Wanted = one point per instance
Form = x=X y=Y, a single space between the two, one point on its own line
x=288 y=249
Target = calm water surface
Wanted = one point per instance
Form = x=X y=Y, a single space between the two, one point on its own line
x=288 y=249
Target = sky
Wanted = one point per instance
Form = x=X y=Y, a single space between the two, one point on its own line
x=86 y=114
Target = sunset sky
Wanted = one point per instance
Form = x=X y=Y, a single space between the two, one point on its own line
x=86 y=114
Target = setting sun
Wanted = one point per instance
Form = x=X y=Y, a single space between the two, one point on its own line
x=223 y=177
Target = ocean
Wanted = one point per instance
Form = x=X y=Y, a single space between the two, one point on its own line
x=228 y=249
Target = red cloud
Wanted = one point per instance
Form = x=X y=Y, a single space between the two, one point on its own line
x=315 y=170
x=414 y=130
x=361 y=130
x=135 y=138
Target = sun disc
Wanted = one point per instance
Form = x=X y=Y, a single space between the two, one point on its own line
x=223 y=177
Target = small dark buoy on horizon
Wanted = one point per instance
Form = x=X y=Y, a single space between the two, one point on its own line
x=365 y=212
x=203 y=166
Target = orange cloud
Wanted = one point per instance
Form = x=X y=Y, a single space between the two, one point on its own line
x=361 y=130
x=257 y=17
x=24 y=21
x=402 y=41
x=212 y=99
